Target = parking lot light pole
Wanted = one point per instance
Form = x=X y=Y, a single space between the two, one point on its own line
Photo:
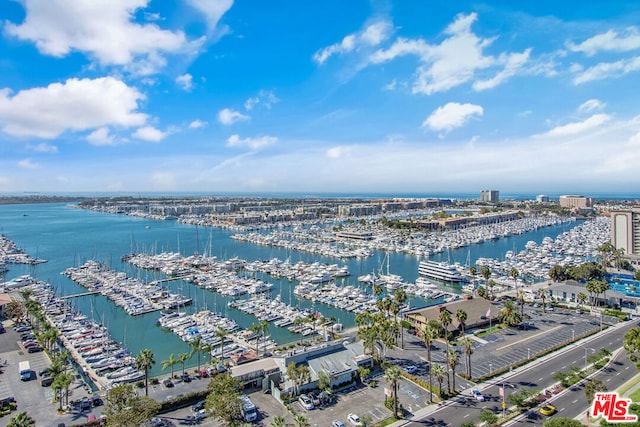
x=490 y=368
x=593 y=350
x=528 y=353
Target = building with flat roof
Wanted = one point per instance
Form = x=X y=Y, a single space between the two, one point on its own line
x=492 y=196
x=542 y=198
x=479 y=312
x=578 y=202
x=625 y=233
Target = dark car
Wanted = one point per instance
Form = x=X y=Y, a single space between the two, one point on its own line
x=46 y=381
x=186 y=378
x=198 y=406
x=96 y=400
x=35 y=349
x=167 y=383
x=85 y=404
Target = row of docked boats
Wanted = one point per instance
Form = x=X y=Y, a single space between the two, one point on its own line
x=87 y=341
x=273 y=310
x=11 y=253
x=133 y=295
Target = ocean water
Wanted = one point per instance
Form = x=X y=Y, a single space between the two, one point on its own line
x=68 y=237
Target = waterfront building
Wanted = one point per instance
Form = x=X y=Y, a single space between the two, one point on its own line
x=542 y=198
x=479 y=313
x=359 y=209
x=568 y=292
x=625 y=233
x=575 y=202
x=491 y=196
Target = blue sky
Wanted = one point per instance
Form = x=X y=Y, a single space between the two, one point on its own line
x=331 y=96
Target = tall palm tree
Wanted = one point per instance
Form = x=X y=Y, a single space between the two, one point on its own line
x=392 y=375
x=196 y=347
x=452 y=360
x=521 y=301
x=170 y=363
x=183 y=357
x=514 y=273
x=208 y=347
x=264 y=327
x=485 y=272
x=222 y=334
x=428 y=335
x=439 y=371
x=400 y=297
x=145 y=361
x=582 y=298
x=542 y=293
x=467 y=345
x=509 y=315
x=255 y=329
x=461 y=317
x=445 y=320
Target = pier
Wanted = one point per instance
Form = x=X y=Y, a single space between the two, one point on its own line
x=80 y=295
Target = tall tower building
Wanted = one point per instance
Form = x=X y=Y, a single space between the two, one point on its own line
x=492 y=196
x=625 y=233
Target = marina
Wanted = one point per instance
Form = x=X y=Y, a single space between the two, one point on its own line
x=169 y=253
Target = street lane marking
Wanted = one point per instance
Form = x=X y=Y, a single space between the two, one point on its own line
x=575 y=401
x=529 y=338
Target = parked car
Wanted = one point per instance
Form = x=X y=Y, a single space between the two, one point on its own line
x=167 y=383
x=198 y=406
x=34 y=349
x=314 y=399
x=479 y=397
x=354 y=420
x=411 y=369
x=305 y=402
x=186 y=378
x=46 y=381
x=337 y=423
x=28 y=344
x=548 y=410
x=22 y=328
x=85 y=404
x=96 y=401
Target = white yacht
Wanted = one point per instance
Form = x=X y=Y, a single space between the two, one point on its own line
x=440 y=271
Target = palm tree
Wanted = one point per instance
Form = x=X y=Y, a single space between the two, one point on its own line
x=485 y=272
x=582 y=298
x=439 y=372
x=514 y=273
x=392 y=375
x=196 y=346
x=509 y=315
x=400 y=298
x=183 y=357
x=521 y=301
x=278 y=421
x=452 y=359
x=222 y=334
x=428 y=335
x=170 y=363
x=542 y=293
x=445 y=320
x=264 y=327
x=145 y=361
x=461 y=317
x=255 y=329
x=467 y=344
x=21 y=420
x=301 y=421
x=208 y=347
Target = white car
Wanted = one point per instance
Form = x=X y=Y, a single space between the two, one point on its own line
x=354 y=420
x=479 y=397
x=411 y=369
x=306 y=402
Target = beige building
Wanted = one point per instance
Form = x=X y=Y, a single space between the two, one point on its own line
x=479 y=311
x=625 y=233
x=575 y=202
x=492 y=196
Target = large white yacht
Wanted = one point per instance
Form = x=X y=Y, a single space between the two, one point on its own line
x=440 y=271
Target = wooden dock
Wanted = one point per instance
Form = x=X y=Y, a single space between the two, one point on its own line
x=81 y=295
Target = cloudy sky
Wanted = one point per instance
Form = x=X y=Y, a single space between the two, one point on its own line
x=326 y=96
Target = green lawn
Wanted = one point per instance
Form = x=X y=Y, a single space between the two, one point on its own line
x=635 y=396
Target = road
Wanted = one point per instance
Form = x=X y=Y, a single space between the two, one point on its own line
x=537 y=377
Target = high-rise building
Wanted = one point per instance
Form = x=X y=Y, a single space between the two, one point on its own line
x=542 y=198
x=492 y=196
x=575 y=202
x=625 y=233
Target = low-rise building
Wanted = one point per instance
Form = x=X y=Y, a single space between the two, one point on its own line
x=479 y=313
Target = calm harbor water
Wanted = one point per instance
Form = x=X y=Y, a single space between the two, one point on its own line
x=68 y=237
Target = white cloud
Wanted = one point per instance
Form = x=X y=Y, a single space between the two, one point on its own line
x=456 y=60
x=75 y=105
x=253 y=143
x=372 y=35
x=197 y=124
x=266 y=98
x=576 y=128
x=43 y=147
x=513 y=64
x=609 y=41
x=338 y=152
x=451 y=116
x=591 y=105
x=27 y=164
x=185 y=81
x=606 y=70
x=101 y=136
x=103 y=29
x=213 y=10
x=149 y=133
x=166 y=181
x=228 y=116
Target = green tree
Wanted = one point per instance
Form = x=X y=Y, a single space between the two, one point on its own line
x=324 y=379
x=400 y=297
x=468 y=424
x=144 y=362
x=445 y=320
x=461 y=317
x=223 y=401
x=467 y=346
x=196 y=348
x=509 y=315
x=301 y=420
x=452 y=360
x=392 y=375
x=439 y=371
x=21 y=420
x=429 y=333
x=592 y=387
x=182 y=358
x=488 y=417
x=16 y=311
x=278 y=421
x=366 y=420
x=170 y=363
x=124 y=408
x=264 y=327
x=558 y=273
x=221 y=334
x=520 y=397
